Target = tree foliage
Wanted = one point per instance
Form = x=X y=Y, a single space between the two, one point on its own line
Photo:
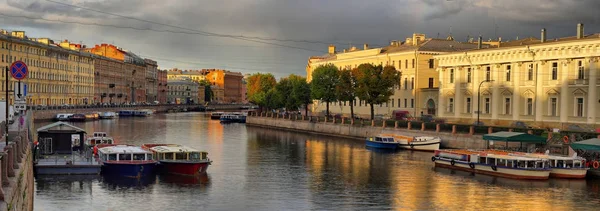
x=346 y=88
x=293 y=92
x=257 y=87
x=374 y=84
x=323 y=85
x=208 y=94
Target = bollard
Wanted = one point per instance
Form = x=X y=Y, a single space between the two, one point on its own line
x=19 y=144
x=372 y=123
x=384 y=124
x=453 y=129
x=4 y=170
x=326 y=119
x=437 y=127
x=334 y=120
x=471 y=130
x=409 y=125
x=352 y=122
x=395 y=124
x=490 y=130
x=15 y=155
x=1 y=182
x=9 y=165
x=531 y=132
x=302 y=117
x=343 y=120
x=422 y=126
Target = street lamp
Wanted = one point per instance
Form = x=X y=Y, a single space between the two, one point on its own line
x=479 y=99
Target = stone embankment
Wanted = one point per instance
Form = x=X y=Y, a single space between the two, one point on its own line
x=453 y=136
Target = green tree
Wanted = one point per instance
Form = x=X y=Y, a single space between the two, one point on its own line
x=324 y=80
x=294 y=92
x=272 y=99
x=374 y=84
x=208 y=93
x=283 y=91
x=257 y=87
x=346 y=89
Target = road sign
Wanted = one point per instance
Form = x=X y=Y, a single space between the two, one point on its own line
x=20 y=91
x=18 y=70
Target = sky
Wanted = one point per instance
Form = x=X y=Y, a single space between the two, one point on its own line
x=203 y=34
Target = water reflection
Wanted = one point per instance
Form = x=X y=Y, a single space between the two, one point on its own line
x=115 y=182
x=202 y=180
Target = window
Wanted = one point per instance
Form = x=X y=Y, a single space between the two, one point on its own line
x=530 y=72
x=580 y=71
x=399 y=101
x=430 y=82
x=399 y=64
x=451 y=75
x=431 y=62
x=488 y=74
x=468 y=105
x=554 y=71
x=392 y=102
x=487 y=105
x=451 y=105
x=406 y=63
x=412 y=83
x=412 y=103
x=405 y=83
x=553 y=105
x=508 y=73
x=468 y=75
x=405 y=103
x=579 y=107
x=124 y=156
x=413 y=63
x=507 y=105
x=529 y=106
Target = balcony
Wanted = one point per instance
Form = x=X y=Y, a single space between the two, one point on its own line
x=578 y=82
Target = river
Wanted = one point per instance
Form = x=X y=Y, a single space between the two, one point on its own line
x=263 y=169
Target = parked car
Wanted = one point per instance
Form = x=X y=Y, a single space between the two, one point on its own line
x=427 y=118
x=520 y=124
x=578 y=129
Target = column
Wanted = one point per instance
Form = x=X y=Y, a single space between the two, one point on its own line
x=458 y=94
x=592 y=97
x=441 y=95
x=564 y=90
x=517 y=70
x=495 y=90
x=540 y=76
x=475 y=85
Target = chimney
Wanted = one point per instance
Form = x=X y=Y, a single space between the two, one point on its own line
x=579 y=30
x=366 y=46
x=345 y=51
x=543 y=35
x=479 y=42
x=331 y=49
x=394 y=43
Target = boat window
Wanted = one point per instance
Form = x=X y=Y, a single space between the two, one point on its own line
x=378 y=139
x=530 y=164
x=124 y=156
x=139 y=156
x=181 y=156
x=112 y=156
x=168 y=156
x=521 y=164
x=149 y=157
x=194 y=156
x=204 y=155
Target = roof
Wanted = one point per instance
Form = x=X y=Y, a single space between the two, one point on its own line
x=589 y=144
x=513 y=157
x=63 y=126
x=174 y=148
x=514 y=137
x=122 y=149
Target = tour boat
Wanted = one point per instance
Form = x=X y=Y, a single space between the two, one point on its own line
x=178 y=159
x=92 y=116
x=77 y=118
x=216 y=115
x=560 y=166
x=509 y=166
x=108 y=115
x=98 y=138
x=125 y=160
x=421 y=143
x=233 y=118
x=382 y=142
x=143 y=112
x=125 y=113
x=63 y=117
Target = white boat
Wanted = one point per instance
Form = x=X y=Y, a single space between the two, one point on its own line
x=143 y=112
x=98 y=138
x=515 y=167
x=421 y=143
x=560 y=166
x=63 y=117
x=108 y=115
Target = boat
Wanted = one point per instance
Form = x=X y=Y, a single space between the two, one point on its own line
x=421 y=143
x=508 y=166
x=233 y=118
x=62 y=117
x=382 y=142
x=126 y=160
x=560 y=166
x=77 y=118
x=216 y=115
x=92 y=116
x=126 y=113
x=96 y=139
x=108 y=115
x=178 y=159
x=143 y=112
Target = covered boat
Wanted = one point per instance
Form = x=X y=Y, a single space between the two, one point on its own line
x=593 y=160
x=108 y=115
x=382 y=142
x=77 y=118
x=233 y=118
x=127 y=161
x=216 y=115
x=178 y=159
x=421 y=143
x=515 y=167
x=62 y=117
x=125 y=113
x=143 y=113
x=560 y=166
x=96 y=139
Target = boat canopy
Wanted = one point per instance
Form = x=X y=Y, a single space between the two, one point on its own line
x=514 y=137
x=589 y=144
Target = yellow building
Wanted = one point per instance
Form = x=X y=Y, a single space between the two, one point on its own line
x=194 y=75
x=539 y=81
x=56 y=75
x=418 y=90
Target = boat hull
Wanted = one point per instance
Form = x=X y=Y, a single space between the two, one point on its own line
x=381 y=145
x=215 y=117
x=512 y=173
x=135 y=170
x=421 y=146
x=572 y=173
x=184 y=168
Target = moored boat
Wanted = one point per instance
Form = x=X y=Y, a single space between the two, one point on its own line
x=77 y=118
x=216 y=115
x=124 y=160
x=382 y=142
x=92 y=116
x=143 y=112
x=560 y=166
x=421 y=143
x=108 y=115
x=233 y=118
x=126 y=113
x=62 y=117
x=96 y=139
x=178 y=159
x=515 y=167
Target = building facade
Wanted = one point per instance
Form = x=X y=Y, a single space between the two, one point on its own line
x=56 y=75
x=161 y=89
x=417 y=91
x=230 y=82
x=182 y=92
x=151 y=80
x=548 y=83
x=110 y=81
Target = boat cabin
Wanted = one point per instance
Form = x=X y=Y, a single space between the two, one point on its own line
x=123 y=153
x=99 y=138
x=177 y=152
x=511 y=161
x=60 y=138
x=383 y=139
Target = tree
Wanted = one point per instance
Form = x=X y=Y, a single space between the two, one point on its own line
x=257 y=87
x=374 y=84
x=208 y=94
x=346 y=89
x=324 y=80
x=294 y=92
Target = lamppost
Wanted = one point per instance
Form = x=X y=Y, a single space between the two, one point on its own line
x=479 y=99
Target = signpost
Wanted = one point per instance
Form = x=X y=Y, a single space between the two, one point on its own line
x=20 y=94
x=19 y=71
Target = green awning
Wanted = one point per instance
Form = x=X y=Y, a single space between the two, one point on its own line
x=514 y=137
x=590 y=144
